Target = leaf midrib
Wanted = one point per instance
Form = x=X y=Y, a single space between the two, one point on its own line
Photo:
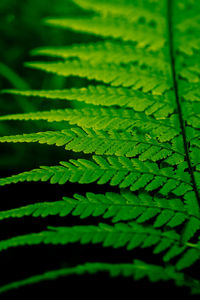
x=178 y=99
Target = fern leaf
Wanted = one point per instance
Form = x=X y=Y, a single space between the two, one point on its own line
x=143 y=126
x=187 y=25
x=106 y=234
x=120 y=207
x=138 y=270
x=133 y=11
x=107 y=119
x=129 y=144
x=120 y=171
x=101 y=95
x=134 y=234
x=120 y=28
x=109 y=52
x=109 y=73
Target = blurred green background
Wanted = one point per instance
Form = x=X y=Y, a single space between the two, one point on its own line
x=21 y=30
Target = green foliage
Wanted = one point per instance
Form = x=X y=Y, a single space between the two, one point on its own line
x=137 y=130
x=137 y=270
x=120 y=207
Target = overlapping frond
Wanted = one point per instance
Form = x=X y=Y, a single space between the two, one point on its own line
x=187 y=71
x=159 y=107
x=121 y=171
x=112 y=74
x=138 y=270
x=125 y=206
x=119 y=28
x=117 y=143
x=131 y=235
x=99 y=118
x=187 y=27
x=110 y=52
x=132 y=11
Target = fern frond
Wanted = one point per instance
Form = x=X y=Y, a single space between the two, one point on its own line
x=120 y=171
x=138 y=270
x=190 y=71
x=99 y=118
x=133 y=11
x=189 y=20
x=119 y=28
x=110 y=74
x=129 y=144
x=190 y=91
x=142 y=123
x=131 y=235
x=109 y=52
x=189 y=45
x=120 y=207
x=187 y=26
x=159 y=107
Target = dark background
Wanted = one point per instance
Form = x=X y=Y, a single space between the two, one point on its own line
x=21 y=30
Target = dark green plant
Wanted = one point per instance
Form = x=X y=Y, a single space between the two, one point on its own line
x=138 y=127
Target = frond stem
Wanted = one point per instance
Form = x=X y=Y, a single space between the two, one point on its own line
x=177 y=96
